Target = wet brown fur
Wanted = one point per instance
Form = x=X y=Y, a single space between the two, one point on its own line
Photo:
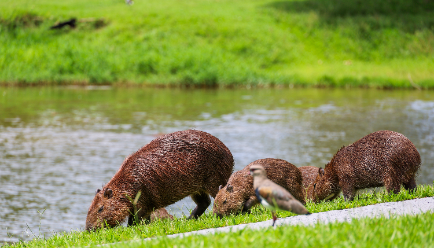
x=239 y=196
x=169 y=168
x=383 y=158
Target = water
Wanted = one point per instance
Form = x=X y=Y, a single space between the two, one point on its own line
x=58 y=145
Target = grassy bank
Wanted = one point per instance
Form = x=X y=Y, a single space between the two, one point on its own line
x=219 y=43
x=407 y=231
x=180 y=225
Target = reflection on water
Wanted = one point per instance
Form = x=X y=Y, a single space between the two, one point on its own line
x=57 y=145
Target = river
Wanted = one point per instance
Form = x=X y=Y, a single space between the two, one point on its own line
x=59 y=144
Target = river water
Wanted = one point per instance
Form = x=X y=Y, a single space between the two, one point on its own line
x=59 y=144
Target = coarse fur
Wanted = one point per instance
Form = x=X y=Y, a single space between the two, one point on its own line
x=169 y=168
x=239 y=196
x=383 y=158
x=309 y=174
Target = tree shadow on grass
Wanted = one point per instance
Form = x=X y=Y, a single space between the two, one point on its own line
x=406 y=15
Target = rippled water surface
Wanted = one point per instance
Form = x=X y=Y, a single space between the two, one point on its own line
x=58 y=145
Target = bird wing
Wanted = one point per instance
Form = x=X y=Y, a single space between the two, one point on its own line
x=270 y=195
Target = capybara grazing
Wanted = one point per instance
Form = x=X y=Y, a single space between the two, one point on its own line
x=239 y=196
x=309 y=174
x=169 y=168
x=383 y=158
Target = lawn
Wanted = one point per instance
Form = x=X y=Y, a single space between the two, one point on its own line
x=219 y=43
x=180 y=225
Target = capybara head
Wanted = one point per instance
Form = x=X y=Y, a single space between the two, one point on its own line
x=322 y=188
x=231 y=198
x=108 y=209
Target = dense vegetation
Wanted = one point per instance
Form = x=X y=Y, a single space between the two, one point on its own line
x=360 y=231
x=219 y=43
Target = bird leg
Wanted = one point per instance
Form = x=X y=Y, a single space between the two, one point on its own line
x=274 y=217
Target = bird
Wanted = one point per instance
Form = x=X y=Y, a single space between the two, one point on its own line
x=273 y=196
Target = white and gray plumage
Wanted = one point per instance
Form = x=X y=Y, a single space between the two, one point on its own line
x=273 y=196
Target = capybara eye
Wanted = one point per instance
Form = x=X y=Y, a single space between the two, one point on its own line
x=100 y=209
x=314 y=185
x=224 y=202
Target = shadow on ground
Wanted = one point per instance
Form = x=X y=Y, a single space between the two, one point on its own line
x=406 y=15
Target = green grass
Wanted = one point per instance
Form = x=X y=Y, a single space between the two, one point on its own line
x=219 y=43
x=180 y=225
x=405 y=231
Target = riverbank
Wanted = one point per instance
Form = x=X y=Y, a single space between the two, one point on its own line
x=207 y=221
x=318 y=43
x=372 y=213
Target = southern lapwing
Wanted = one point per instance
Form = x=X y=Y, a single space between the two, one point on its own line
x=273 y=196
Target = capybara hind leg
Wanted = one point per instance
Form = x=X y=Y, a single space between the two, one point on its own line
x=410 y=185
x=203 y=201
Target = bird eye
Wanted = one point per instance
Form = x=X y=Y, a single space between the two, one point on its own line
x=100 y=209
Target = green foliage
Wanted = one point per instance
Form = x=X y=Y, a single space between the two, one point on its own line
x=181 y=225
x=219 y=43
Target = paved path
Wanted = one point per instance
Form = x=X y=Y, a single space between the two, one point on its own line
x=388 y=209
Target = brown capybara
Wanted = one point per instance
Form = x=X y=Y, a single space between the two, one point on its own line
x=309 y=174
x=239 y=196
x=383 y=158
x=169 y=168
x=160 y=213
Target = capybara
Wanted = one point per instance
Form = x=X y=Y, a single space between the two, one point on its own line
x=239 y=196
x=383 y=158
x=160 y=213
x=169 y=168
x=309 y=174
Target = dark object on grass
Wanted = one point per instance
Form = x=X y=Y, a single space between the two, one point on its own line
x=383 y=158
x=239 y=196
x=71 y=23
x=273 y=196
x=169 y=168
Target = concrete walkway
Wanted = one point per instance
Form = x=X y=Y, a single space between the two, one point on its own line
x=388 y=209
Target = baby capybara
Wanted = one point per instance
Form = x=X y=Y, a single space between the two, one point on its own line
x=169 y=168
x=383 y=158
x=238 y=195
x=309 y=174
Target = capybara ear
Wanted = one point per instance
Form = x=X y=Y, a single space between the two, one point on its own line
x=321 y=171
x=229 y=188
x=108 y=193
x=97 y=191
x=220 y=187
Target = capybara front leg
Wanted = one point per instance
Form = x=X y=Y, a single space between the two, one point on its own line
x=349 y=193
x=252 y=201
x=392 y=186
x=410 y=185
x=203 y=201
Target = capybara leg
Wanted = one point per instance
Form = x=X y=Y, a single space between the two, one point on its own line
x=252 y=201
x=349 y=193
x=203 y=201
x=140 y=217
x=393 y=186
x=410 y=185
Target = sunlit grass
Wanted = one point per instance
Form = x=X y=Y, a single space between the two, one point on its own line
x=181 y=225
x=403 y=231
x=219 y=43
